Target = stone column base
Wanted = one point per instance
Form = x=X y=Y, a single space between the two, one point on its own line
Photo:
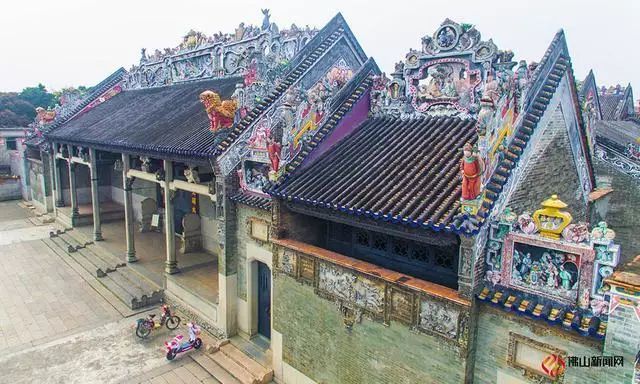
x=171 y=267
x=131 y=257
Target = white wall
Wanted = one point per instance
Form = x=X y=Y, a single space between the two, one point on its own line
x=84 y=194
x=208 y=225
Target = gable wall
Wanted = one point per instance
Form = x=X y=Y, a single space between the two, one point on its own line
x=551 y=170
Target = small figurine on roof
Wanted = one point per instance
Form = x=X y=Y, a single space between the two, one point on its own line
x=471 y=167
x=221 y=112
x=273 y=149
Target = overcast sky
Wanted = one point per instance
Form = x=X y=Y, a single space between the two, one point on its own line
x=80 y=42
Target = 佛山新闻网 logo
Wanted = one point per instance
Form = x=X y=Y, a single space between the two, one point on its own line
x=553 y=365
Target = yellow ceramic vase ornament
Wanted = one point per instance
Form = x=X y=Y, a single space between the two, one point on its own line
x=550 y=219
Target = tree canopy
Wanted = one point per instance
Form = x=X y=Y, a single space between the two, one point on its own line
x=19 y=109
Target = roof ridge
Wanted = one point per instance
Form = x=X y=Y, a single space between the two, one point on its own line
x=342 y=98
x=278 y=92
x=94 y=93
x=336 y=28
x=556 y=62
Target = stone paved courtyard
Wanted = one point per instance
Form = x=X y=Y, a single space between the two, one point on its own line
x=55 y=328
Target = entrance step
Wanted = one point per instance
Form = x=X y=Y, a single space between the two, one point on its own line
x=41 y=219
x=228 y=364
x=94 y=248
x=131 y=288
x=264 y=375
x=214 y=369
x=96 y=265
x=257 y=348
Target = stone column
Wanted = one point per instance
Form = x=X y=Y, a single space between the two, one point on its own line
x=95 y=196
x=227 y=260
x=72 y=188
x=171 y=264
x=128 y=210
x=465 y=266
x=26 y=190
x=55 y=176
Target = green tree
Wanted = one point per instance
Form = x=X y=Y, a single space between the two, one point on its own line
x=39 y=97
x=15 y=111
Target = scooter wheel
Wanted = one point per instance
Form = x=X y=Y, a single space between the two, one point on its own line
x=172 y=322
x=171 y=355
x=198 y=343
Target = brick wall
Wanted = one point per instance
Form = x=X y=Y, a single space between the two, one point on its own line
x=492 y=344
x=621 y=209
x=243 y=238
x=316 y=343
x=623 y=338
x=551 y=170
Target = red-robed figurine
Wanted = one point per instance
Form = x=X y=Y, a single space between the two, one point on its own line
x=274 y=148
x=471 y=167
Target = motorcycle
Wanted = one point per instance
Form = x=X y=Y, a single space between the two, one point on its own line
x=145 y=326
x=176 y=345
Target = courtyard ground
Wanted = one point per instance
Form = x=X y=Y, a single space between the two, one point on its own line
x=55 y=327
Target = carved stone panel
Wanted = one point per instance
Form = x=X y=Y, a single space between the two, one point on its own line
x=531 y=355
x=358 y=294
x=307 y=269
x=286 y=262
x=363 y=292
x=191 y=240
x=401 y=306
x=439 y=318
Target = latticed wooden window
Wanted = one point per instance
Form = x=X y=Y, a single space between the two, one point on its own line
x=379 y=242
x=443 y=260
x=400 y=248
x=362 y=237
x=420 y=253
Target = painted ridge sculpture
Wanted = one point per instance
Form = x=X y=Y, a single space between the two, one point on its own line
x=221 y=112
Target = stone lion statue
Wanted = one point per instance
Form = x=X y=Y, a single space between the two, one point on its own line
x=221 y=112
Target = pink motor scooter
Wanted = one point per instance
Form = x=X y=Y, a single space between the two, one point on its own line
x=176 y=345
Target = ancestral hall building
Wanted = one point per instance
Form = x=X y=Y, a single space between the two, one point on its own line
x=427 y=226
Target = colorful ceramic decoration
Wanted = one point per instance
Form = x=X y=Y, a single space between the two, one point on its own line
x=221 y=112
x=602 y=234
x=508 y=216
x=550 y=220
x=273 y=148
x=562 y=279
x=471 y=167
x=576 y=233
x=546 y=270
x=200 y=57
x=279 y=135
x=446 y=76
x=44 y=116
x=526 y=223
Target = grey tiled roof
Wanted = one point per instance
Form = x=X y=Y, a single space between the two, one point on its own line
x=252 y=200
x=168 y=122
x=609 y=105
x=617 y=134
x=402 y=171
